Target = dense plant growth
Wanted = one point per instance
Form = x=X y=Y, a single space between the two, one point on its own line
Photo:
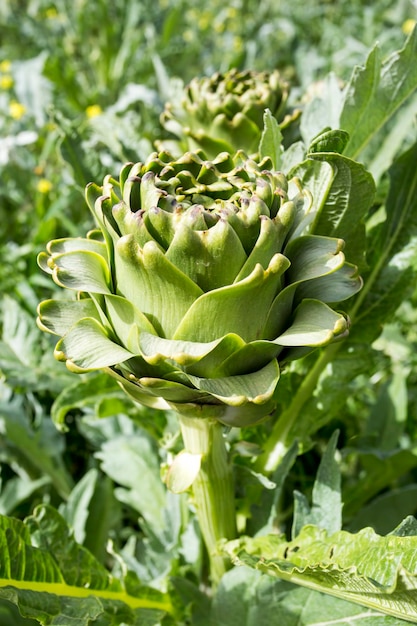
x=238 y=445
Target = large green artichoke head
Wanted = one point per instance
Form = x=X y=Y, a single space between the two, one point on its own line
x=225 y=111
x=202 y=278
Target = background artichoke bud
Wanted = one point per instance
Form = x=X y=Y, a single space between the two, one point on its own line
x=202 y=278
x=225 y=112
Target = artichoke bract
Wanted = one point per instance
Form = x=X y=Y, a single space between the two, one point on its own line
x=201 y=279
x=225 y=112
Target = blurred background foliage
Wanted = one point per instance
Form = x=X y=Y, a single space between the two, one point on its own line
x=82 y=86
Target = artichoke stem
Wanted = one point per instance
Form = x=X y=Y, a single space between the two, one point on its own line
x=213 y=489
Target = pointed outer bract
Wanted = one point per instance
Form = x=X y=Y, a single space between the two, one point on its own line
x=59 y=246
x=101 y=208
x=130 y=223
x=126 y=320
x=43 y=262
x=241 y=129
x=250 y=358
x=150 y=194
x=240 y=416
x=88 y=347
x=81 y=270
x=210 y=145
x=201 y=359
x=183 y=471
x=270 y=241
x=304 y=214
x=126 y=171
x=246 y=222
x=315 y=324
x=172 y=391
x=334 y=287
x=256 y=388
x=160 y=225
x=312 y=256
x=310 y=276
x=279 y=315
x=57 y=317
x=241 y=308
x=211 y=258
x=138 y=393
x=154 y=285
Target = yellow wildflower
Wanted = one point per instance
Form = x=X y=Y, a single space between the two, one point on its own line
x=51 y=13
x=6 y=81
x=5 y=66
x=44 y=185
x=188 y=35
x=408 y=26
x=16 y=109
x=93 y=111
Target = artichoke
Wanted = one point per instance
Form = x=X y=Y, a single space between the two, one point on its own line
x=201 y=279
x=225 y=112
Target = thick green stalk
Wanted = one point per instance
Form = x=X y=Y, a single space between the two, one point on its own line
x=213 y=488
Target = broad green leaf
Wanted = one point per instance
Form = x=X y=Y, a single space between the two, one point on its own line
x=379 y=470
x=376 y=91
x=326 y=509
x=26 y=356
x=392 y=140
x=392 y=253
x=374 y=571
x=346 y=206
x=329 y=141
x=323 y=111
x=246 y=597
x=89 y=511
x=271 y=140
x=85 y=164
x=343 y=192
x=265 y=514
x=133 y=463
x=36 y=448
x=51 y=578
x=388 y=417
x=89 y=391
x=387 y=510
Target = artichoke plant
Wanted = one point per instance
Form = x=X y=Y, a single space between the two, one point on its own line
x=202 y=278
x=225 y=112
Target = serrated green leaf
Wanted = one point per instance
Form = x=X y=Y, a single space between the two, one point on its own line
x=329 y=141
x=245 y=597
x=326 y=509
x=85 y=392
x=343 y=192
x=376 y=91
x=133 y=463
x=392 y=253
x=51 y=578
x=271 y=140
x=374 y=571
